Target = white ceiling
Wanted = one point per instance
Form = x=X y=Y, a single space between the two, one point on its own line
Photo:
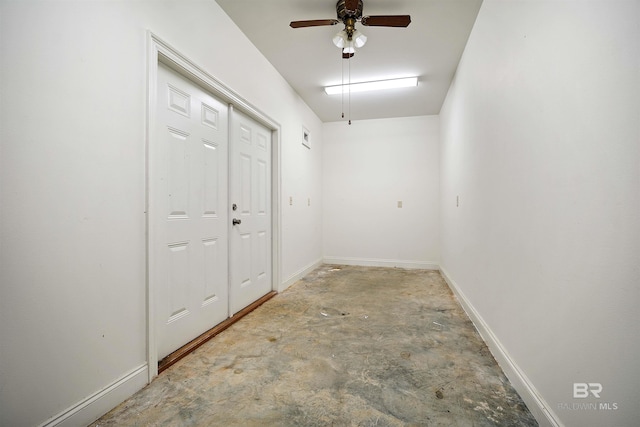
x=429 y=48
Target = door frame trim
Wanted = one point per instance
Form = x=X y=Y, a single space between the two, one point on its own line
x=158 y=51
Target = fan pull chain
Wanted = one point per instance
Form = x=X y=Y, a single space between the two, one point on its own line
x=349 y=90
x=342 y=87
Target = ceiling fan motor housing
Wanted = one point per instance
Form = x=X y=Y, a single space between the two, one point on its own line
x=354 y=11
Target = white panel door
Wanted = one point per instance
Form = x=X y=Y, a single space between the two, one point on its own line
x=189 y=212
x=250 y=198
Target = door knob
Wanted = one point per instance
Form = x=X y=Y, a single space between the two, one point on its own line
x=236 y=221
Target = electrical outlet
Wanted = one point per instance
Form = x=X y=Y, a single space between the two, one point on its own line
x=290 y=200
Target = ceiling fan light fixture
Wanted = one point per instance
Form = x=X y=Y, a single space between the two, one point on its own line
x=370 y=86
x=340 y=39
x=359 y=39
x=349 y=47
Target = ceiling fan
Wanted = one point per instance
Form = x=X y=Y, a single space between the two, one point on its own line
x=349 y=12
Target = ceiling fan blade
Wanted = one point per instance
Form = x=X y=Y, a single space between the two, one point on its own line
x=313 y=23
x=347 y=55
x=387 y=20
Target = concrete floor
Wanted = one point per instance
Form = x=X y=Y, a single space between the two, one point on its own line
x=346 y=346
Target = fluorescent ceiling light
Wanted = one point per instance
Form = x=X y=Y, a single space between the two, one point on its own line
x=376 y=85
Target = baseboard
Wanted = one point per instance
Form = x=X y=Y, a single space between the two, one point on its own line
x=93 y=407
x=373 y=262
x=299 y=275
x=537 y=405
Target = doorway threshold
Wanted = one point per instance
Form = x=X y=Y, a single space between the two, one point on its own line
x=192 y=345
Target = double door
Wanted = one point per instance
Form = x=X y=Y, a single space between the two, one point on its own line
x=210 y=211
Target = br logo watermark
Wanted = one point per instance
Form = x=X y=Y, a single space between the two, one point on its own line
x=588 y=391
x=582 y=390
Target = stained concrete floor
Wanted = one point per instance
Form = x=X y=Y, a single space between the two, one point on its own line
x=346 y=346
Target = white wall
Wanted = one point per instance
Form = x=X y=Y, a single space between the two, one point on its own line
x=540 y=139
x=72 y=196
x=302 y=219
x=368 y=167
